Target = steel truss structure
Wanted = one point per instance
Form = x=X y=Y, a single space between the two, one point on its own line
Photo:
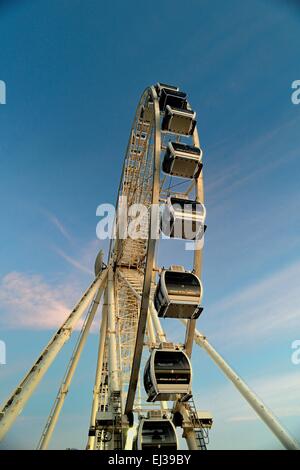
x=125 y=288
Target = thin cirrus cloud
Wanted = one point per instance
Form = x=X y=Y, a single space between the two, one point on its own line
x=72 y=261
x=235 y=419
x=281 y=392
x=261 y=311
x=54 y=220
x=27 y=301
x=240 y=168
x=86 y=255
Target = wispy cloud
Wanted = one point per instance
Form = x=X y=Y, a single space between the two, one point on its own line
x=261 y=310
x=242 y=166
x=58 y=224
x=237 y=425
x=32 y=301
x=280 y=392
x=72 y=261
x=27 y=301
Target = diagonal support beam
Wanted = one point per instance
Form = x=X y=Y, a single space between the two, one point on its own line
x=16 y=402
x=99 y=370
x=65 y=386
x=254 y=401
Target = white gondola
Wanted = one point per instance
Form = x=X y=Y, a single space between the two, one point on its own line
x=160 y=86
x=155 y=434
x=178 y=294
x=168 y=375
x=183 y=218
x=170 y=96
x=179 y=121
x=182 y=160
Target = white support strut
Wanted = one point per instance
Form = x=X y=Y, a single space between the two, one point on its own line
x=99 y=369
x=254 y=401
x=114 y=384
x=64 y=388
x=15 y=404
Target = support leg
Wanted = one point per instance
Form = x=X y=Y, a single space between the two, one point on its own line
x=16 y=402
x=254 y=401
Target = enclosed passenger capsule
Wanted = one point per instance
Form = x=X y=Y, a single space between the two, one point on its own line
x=183 y=218
x=168 y=375
x=155 y=434
x=160 y=86
x=178 y=294
x=182 y=160
x=173 y=99
x=179 y=121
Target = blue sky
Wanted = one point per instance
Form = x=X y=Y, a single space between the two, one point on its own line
x=74 y=71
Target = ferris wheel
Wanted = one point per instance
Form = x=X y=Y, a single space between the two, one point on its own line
x=143 y=390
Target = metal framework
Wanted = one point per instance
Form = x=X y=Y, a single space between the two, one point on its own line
x=130 y=326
